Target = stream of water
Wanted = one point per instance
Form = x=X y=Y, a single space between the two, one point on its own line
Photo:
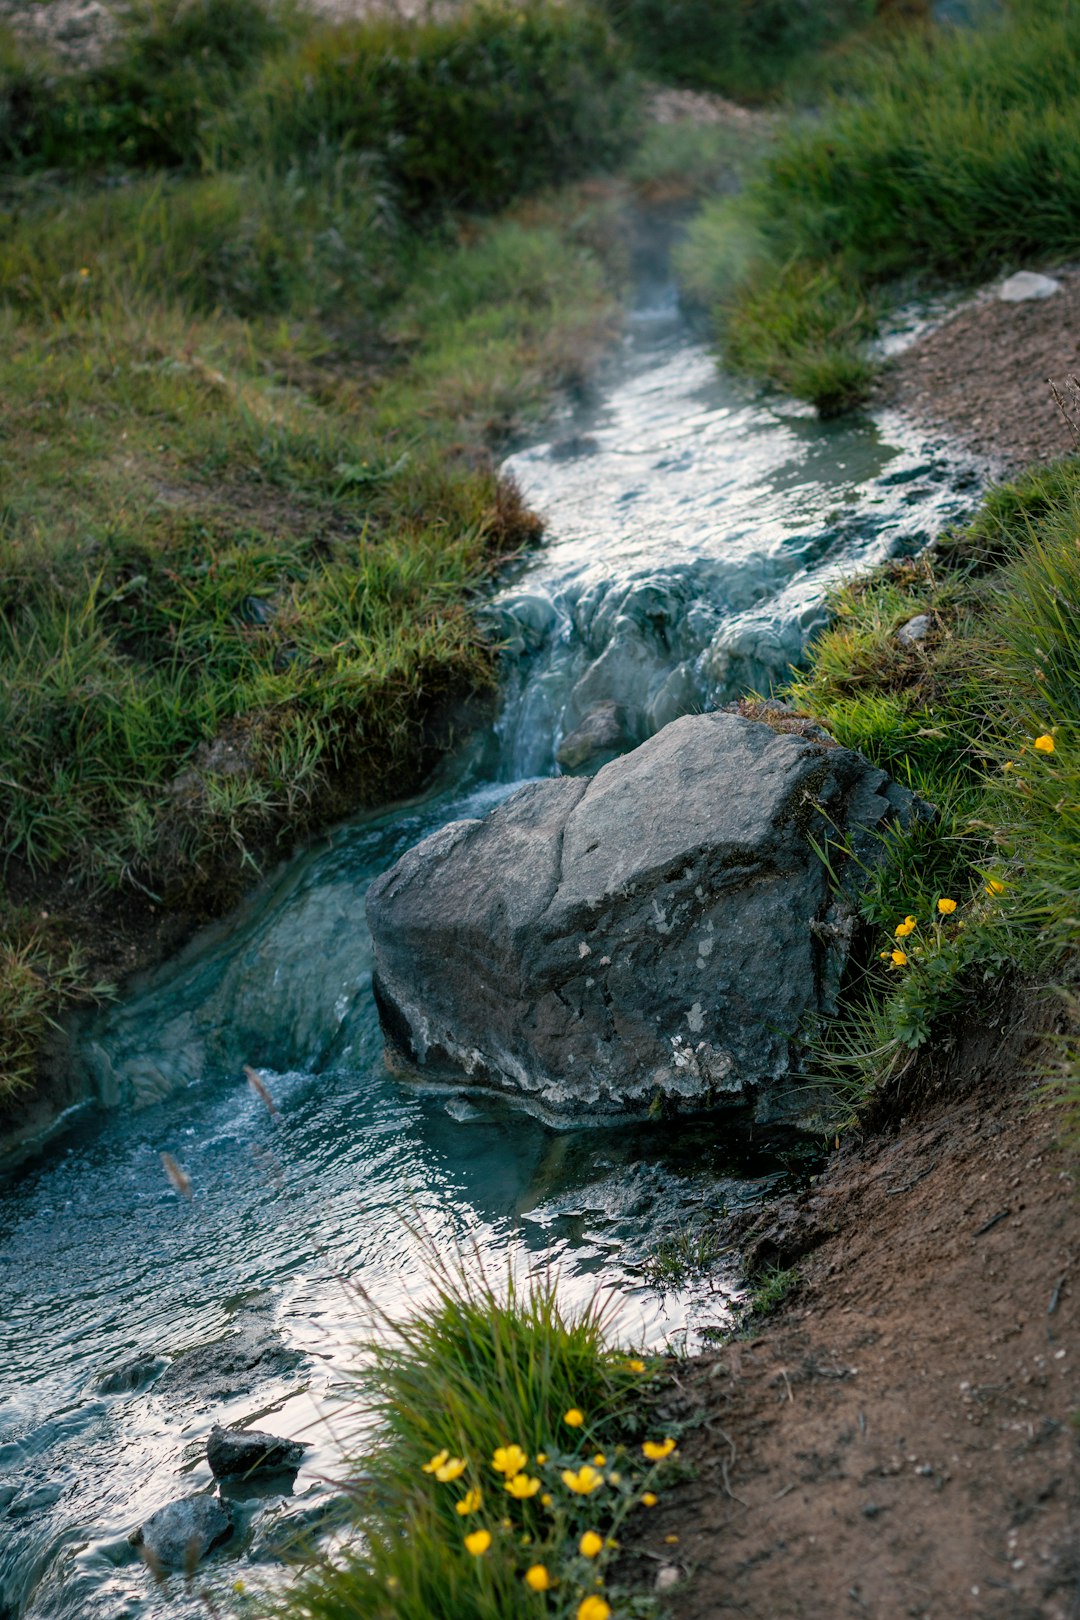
x=694 y=526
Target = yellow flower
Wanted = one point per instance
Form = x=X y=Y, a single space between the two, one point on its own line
x=1045 y=743
x=599 y=1459
x=574 y=1418
x=469 y=1502
x=649 y=1499
x=584 y=1482
x=899 y=959
x=671 y=1540
x=545 y=1500
x=392 y=1583
x=635 y=1366
x=436 y=1462
x=902 y=930
x=657 y=1450
x=884 y=955
x=593 y=1608
x=478 y=1542
x=1008 y=766
x=614 y=1478
x=521 y=1486
x=509 y=1460
x=995 y=886
x=84 y=272
x=451 y=1470
x=541 y=1457
x=538 y=1578
x=946 y=907
x=591 y=1544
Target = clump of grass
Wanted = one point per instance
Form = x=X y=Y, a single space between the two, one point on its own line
x=980 y=719
x=683 y=1257
x=36 y=982
x=515 y=1443
x=468 y=109
x=746 y=51
x=952 y=153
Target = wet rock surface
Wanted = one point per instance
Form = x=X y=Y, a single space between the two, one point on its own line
x=659 y=931
x=180 y=1534
x=250 y=1452
x=228 y=1367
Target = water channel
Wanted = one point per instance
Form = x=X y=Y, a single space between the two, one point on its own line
x=693 y=528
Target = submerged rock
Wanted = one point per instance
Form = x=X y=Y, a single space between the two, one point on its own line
x=180 y=1534
x=661 y=930
x=603 y=732
x=249 y=1452
x=230 y=1366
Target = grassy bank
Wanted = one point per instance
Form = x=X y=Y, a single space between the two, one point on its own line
x=515 y=1444
x=255 y=367
x=981 y=717
x=951 y=154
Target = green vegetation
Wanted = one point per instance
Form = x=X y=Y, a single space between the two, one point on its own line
x=744 y=48
x=684 y=1256
x=253 y=377
x=951 y=154
x=981 y=718
x=515 y=1444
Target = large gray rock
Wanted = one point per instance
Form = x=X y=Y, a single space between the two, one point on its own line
x=662 y=929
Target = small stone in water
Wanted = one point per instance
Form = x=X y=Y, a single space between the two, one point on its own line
x=247 y=1451
x=178 y=1535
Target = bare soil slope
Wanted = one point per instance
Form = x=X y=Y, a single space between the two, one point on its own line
x=983 y=377
x=899 y=1440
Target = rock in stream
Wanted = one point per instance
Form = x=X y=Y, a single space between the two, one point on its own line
x=659 y=930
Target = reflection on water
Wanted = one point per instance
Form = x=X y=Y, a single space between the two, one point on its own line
x=692 y=528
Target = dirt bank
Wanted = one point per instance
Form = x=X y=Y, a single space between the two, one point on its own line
x=984 y=376
x=900 y=1440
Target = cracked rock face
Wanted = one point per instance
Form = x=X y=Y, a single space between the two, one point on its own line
x=661 y=928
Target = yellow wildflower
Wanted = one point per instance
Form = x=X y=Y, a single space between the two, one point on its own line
x=614 y=1478
x=908 y=926
x=884 y=955
x=509 y=1460
x=599 y=1459
x=538 y=1578
x=469 y=1502
x=84 y=272
x=593 y=1608
x=1008 y=766
x=522 y=1486
x=995 y=886
x=946 y=907
x=478 y=1542
x=436 y=1462
x=1045 y=743
x=635 y=1366
x=657 y=1450
x=574 y=1418
x=541 y=1457
x=545 y=1500
x=584 y=1482
x=591 y=1544
x=899 y=959
x=671 y=1540
x=448 y=1471
x=507 y=1524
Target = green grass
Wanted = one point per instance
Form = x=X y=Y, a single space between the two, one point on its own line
x=743 y=50
x=486 y=1368
x=957 y=717
x=250 y=419
x=951 y=155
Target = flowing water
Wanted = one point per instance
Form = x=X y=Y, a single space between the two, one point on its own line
x=693 y=528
